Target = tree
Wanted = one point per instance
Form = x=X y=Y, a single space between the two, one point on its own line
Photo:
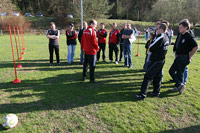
x=92 y=9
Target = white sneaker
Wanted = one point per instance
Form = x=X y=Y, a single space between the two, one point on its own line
x=116 y=62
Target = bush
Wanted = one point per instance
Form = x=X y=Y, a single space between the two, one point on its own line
x=14 y=21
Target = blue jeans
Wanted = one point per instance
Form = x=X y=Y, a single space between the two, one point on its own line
x=127 y=54
x=146 y=64
x=82 y=54
x=71 y=50
x=170 y=39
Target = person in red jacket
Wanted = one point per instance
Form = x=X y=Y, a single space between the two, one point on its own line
x=90 y=47
x=71 y=42
x=113 y=43
x=102 y=34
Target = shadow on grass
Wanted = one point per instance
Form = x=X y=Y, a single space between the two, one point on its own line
x=191 y=129
x=35 y=63
x=66 y=91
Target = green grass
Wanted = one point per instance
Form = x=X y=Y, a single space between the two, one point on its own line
x=56 y=100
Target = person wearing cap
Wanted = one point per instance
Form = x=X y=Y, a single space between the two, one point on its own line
x=71 y=42
x=80 y=34
x=102 y=34
x=53 y=36
x=90 y=46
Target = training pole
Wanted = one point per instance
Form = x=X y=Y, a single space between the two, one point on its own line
x=138 y=43
x=22 y=38
x=16 y=81
x=19 y=65
x=21 y=58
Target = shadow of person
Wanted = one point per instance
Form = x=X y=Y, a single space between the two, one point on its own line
x=66 y=91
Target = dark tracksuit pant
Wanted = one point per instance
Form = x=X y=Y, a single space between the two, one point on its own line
x=91 y=60
x=177 y=69
x=121 y=52
x=51 y=51
x=154 y=72
x=113 y=47
x=102 y=47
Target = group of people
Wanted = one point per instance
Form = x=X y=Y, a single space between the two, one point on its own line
x=119 y=43
x=185 y=47
x=93 y=42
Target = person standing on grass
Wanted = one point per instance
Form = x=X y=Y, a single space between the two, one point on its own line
x=171 y=34
x=185 y=75
x=185 y=48
x=127 y=45
x=147 y=51
x=102 y=34
x=90 y=47
x=53 y=36
x=79 y=38
x=158 y=50
x=114 y=38
x=71 y=42
x=121 y=41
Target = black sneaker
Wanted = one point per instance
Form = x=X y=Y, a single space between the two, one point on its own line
x=181 y=89
x=84 y=78
x=51 y=64
x=139 y=97
x=58 y=64
x=154 y=94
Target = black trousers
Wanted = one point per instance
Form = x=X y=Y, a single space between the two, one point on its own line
x=121 y=52
x=113 y=47
x=154 y=72
x=51 y=51
x=102 y=47
x=91 y=60
x=177 y=69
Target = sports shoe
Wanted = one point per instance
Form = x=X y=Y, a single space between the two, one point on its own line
x=174 y=89
x=181 y=89
x=155 y=94
x=51 y=64
x=130 y=66
x=58 y=64
x=110 y=61
x=139 y=97
x=116 y=62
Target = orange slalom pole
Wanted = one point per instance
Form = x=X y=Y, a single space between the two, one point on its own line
x=21 y=58
x=138 y=43
x=22 y=38
x=16 y=81
x=19 y=65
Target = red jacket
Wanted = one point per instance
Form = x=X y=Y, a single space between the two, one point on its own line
x=89 y=41
x=114 y=36
x=102 y=34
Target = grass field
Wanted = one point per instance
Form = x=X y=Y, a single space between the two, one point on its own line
x=57 y=100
